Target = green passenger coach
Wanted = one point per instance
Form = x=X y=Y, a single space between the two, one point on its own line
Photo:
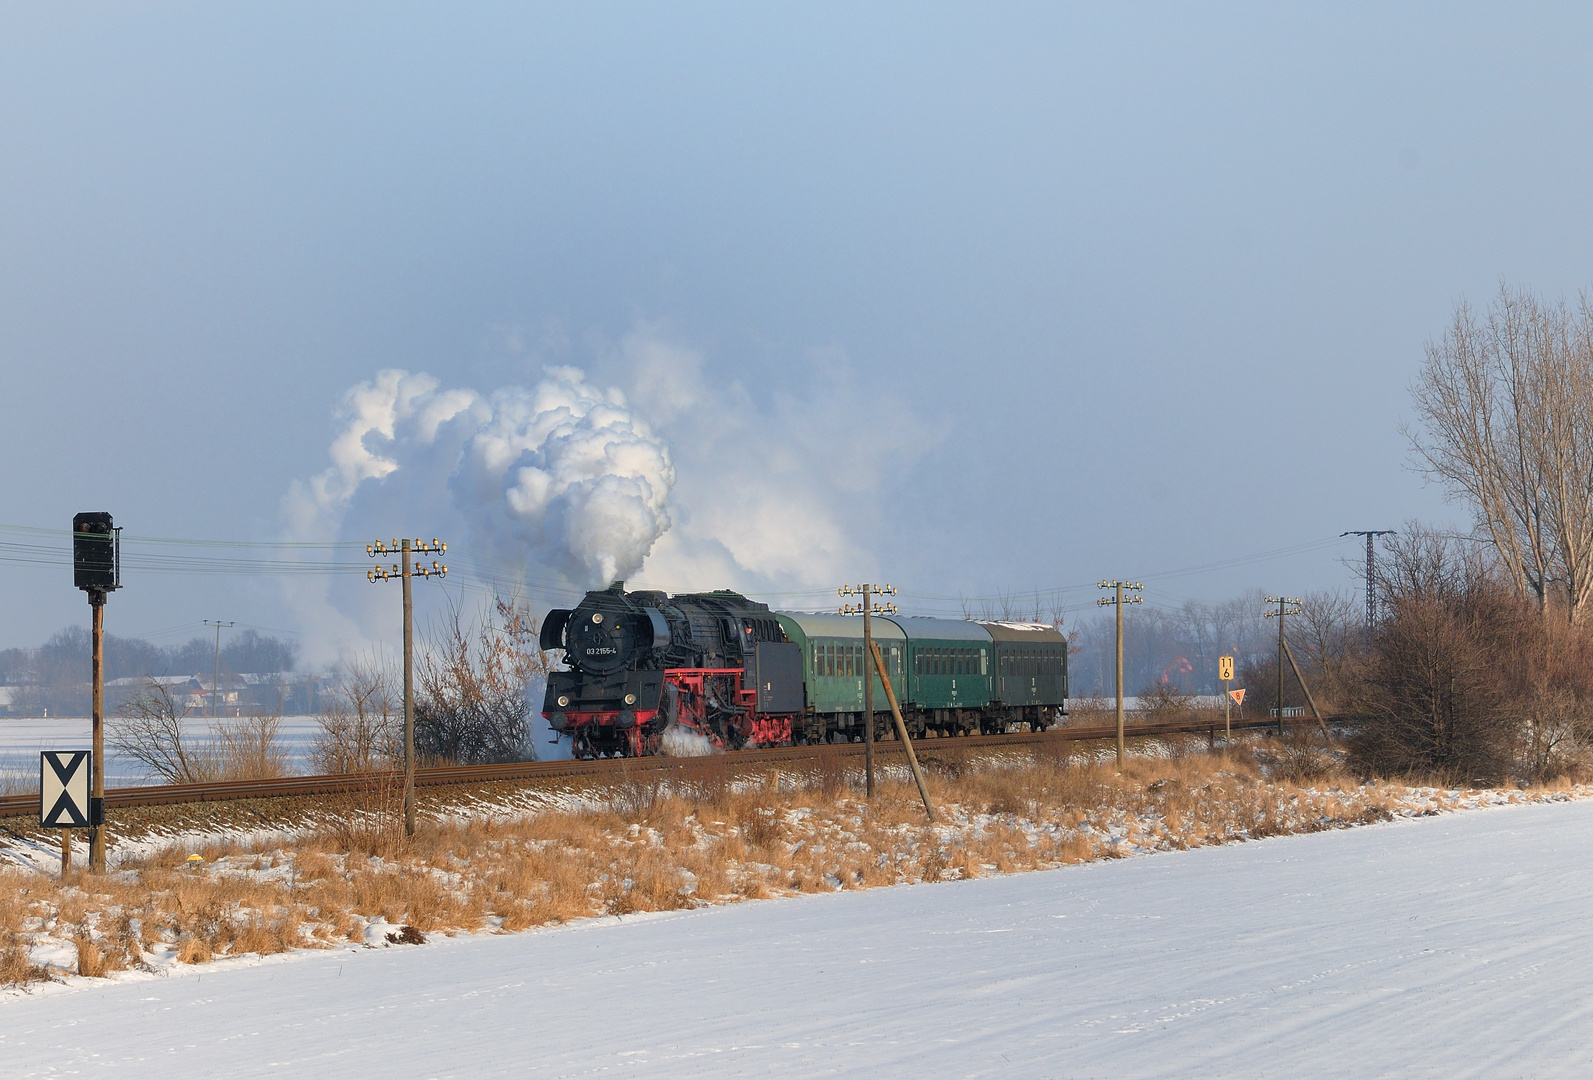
x=952 y=677
x=833 y=667
x=1031 y=670
x=948 y=673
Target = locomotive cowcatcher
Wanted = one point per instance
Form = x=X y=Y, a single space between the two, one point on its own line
x=715 y=664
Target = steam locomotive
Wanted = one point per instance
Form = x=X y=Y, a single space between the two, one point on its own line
x=720 y=667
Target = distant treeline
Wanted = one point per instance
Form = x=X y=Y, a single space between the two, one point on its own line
x=54 y=676
x=67 y=654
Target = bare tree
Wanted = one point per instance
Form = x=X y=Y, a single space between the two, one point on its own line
x=1329 y=635
x=148 y=728
x=1507 y=407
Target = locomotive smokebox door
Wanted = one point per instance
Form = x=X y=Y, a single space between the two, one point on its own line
x=777 y=676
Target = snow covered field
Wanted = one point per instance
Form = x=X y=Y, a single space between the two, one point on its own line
x=21 y=739
x=1451 y=946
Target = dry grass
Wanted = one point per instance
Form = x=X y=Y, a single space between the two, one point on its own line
x=712 y=834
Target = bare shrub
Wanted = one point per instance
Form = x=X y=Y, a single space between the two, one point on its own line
x=471 y=705
x=246 y=747
x=1433 y=702
x=18 y=777
x=1091 y=711
x=1162 y=702
x=1298 y=758
x=1466 y=677
x=362 y=728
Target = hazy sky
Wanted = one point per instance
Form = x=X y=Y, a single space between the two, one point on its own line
x=1007 y=297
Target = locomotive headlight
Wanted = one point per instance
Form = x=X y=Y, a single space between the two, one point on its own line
x=630 y=699
x=563 y=701
x=597 y=617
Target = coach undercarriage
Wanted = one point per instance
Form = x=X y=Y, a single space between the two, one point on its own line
x=710 y=706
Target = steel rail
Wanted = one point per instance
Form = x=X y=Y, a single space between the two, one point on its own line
x=454 y=776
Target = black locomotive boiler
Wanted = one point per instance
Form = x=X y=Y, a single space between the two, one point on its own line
x=714 y=664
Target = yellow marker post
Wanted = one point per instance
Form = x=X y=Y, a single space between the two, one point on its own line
x=1225 y=673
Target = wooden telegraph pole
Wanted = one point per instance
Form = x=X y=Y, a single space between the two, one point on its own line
x=1287 y=605
x=901 y=729
x=215 y=679
x=868 y=609
x=1118 y=600
x=97 y=570
x=97 y=797
x=404 y=572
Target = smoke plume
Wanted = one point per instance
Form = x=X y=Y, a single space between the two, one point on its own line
x=556 y=479
x=565 y=485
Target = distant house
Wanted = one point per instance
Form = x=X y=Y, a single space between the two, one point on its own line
x=190 y=693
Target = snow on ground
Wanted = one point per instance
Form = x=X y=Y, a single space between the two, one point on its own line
x=1452 y=946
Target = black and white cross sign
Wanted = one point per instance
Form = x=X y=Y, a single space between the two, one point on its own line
x=64 y=788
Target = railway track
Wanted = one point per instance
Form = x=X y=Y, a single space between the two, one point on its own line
x=454 y=776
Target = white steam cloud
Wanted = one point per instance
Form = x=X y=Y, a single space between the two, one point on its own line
x=565 y=480
x=559 y=477
x=565 y=473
